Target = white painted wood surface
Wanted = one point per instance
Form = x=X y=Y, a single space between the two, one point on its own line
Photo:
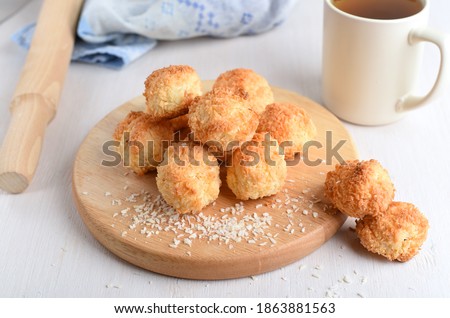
x=46 y=251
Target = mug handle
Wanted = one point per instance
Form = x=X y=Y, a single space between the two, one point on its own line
x=442 y=41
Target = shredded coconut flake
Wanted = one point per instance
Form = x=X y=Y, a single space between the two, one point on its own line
x=346 y=280
x=149 y=215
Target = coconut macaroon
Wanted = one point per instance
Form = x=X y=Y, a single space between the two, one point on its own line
x=258 y=169
x=249 y=84
x=142 y=141
x=360 y=188
x=222 y=117
x=289 y=124
x=169 y=90
x=188 y=179
x=397 y=234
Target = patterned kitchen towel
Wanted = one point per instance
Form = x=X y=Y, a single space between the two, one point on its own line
x=113 y=33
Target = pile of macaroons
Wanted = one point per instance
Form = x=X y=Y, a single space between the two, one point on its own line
x=364 y=190
x=236 y=124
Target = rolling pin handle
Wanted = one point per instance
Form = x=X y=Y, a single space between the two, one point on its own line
x=21 y=148
x=38 y=92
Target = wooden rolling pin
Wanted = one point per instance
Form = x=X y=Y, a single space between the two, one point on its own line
x=36 y=97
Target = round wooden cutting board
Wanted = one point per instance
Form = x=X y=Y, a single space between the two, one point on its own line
x=230 y=238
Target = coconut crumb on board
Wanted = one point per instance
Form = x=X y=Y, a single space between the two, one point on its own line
x=149 y=215
x=116 y=202
x=153 y=215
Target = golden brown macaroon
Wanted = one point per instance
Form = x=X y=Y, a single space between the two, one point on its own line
x=252 y=175
x=249 y=84
x=222 y=117
x=287 y=123
x=397 y=234
x=188 y=179
x=169 y=91
x=360 y=188
x=142 y=141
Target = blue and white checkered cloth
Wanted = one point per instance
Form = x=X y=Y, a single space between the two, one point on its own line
x=113 y=33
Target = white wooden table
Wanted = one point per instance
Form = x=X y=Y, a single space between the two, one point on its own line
x=46 y=251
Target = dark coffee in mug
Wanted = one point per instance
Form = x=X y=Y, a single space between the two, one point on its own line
x=380 y=9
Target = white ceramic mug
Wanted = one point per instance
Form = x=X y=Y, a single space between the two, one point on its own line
x=371 y=66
